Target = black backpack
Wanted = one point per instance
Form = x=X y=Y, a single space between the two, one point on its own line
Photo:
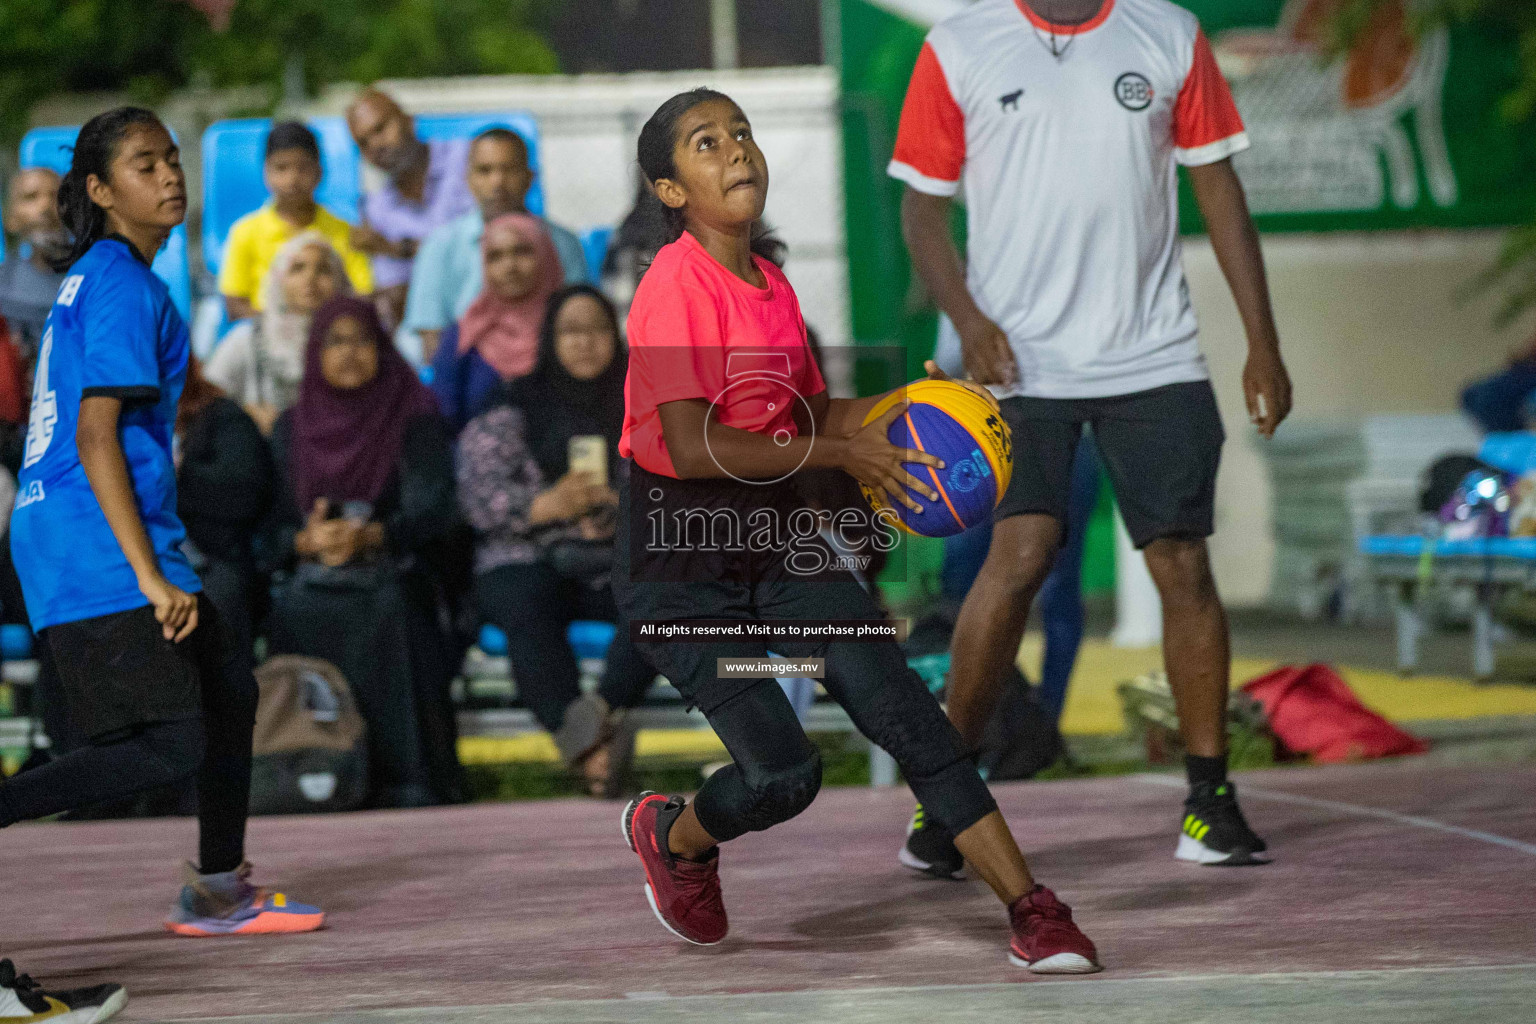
x=1021 y=740
x=311 y=747
x=1442 y=478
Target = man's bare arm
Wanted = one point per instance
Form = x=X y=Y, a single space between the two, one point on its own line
x=1266 y=385
x=925 y=226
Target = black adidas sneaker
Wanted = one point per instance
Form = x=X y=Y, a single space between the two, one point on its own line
x=931 y=849
x=23 y=1001
x=1215 y=832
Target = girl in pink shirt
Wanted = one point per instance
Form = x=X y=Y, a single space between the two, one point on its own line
x=724 y=404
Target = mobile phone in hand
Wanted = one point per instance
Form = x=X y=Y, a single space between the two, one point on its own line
x=588 y=453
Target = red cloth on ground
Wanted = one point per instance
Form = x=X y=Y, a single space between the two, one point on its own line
x=1313 y=711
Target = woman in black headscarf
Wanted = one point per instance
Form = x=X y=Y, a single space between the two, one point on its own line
x=534 y=482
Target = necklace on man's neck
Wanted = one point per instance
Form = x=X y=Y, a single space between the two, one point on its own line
x=1052 y=43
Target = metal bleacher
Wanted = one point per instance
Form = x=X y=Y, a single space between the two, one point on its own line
x=486 y=668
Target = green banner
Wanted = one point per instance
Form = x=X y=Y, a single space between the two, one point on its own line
x=1403 y=131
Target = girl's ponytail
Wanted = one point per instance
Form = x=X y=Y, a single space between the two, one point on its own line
x=83 y=219
x=95 y=149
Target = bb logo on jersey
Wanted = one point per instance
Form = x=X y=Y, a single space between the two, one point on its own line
x=1133 y=91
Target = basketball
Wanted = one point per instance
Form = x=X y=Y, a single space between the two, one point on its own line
x=956 y=424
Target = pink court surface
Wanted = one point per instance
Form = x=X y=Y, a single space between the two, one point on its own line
x=1400 y=893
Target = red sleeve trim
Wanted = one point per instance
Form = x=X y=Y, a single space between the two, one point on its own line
x=1206 y=124
x=930 y=143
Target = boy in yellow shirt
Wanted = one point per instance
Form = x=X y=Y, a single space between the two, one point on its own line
x=292 y=173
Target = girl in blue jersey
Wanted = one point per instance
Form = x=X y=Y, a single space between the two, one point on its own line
x=148 y=674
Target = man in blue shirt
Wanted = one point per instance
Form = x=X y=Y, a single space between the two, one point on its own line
x=446 y=277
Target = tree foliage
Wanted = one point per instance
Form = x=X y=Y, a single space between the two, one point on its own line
x=363 y=40
x=149 y=47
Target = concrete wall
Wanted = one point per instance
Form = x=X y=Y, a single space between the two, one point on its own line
x=1368 y=324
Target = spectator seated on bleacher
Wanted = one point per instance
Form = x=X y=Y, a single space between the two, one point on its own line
x=497 y=339
x=425 y=188
x=291 y=170
x=446 y=277
x=364 y=518
x=224 y=484
x=534 y=483
x=28 y=282
x=261 y=361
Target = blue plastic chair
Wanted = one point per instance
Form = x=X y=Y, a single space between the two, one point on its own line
x=1513 y=452
x=15 y=642
x=233 y=185
x=492 y=641
x=54 y=148
x=589 y=639
x=594 y=245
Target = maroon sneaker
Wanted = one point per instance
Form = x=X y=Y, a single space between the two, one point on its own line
x=1044 y=938
x=684 y=894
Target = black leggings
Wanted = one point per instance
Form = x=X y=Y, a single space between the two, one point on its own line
x=777 y=771
x=533 y=605
x=216 y=747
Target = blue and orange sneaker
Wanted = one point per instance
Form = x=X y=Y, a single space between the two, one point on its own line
x=227 y=904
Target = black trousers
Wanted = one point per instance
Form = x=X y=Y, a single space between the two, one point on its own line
x=532 y=604
x=776 y=770
x=215 y=746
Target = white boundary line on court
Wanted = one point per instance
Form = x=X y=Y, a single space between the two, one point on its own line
x=1362 y=811
x=386 y=1013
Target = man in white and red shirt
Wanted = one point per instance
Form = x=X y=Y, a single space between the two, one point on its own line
x=1061 y=123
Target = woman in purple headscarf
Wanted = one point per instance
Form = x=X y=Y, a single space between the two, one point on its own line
x=365 y=514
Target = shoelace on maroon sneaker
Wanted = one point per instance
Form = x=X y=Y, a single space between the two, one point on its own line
x=1035 y=917
x=699 y=884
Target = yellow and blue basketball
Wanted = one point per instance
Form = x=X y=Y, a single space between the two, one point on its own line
x=956 y=424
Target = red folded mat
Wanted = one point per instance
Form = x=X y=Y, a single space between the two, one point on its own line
x=1313 y=711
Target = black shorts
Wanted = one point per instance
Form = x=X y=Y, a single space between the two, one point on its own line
x=118 y=671
x=665 y=582
x=1161 y=449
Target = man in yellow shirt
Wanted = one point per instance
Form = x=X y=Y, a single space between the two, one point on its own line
x=292 y=173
